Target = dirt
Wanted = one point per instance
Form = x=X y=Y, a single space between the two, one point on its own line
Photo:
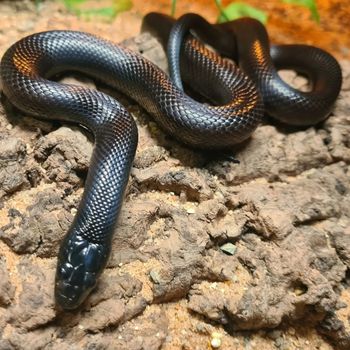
x=208 y=253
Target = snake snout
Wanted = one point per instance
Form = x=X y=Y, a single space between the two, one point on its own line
x=81 y=263
x=69 y=293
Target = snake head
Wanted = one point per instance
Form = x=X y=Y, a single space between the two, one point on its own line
x=80 y=264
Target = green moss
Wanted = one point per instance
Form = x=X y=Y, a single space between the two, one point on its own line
x=107 y=12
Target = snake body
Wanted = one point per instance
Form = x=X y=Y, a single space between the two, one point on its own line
x=246 y=41
x=26 y=70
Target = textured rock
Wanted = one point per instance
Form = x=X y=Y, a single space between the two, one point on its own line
x=179 y=250
x=149 y=156
x=276 y=208
x=6 y=287
x=288 y=281
x=108 y=313
x=40 y=227
x=335 y=329
x=342 y=244
x=138 y=215
x=146 y=332
x=37 y=339
x=115 y=301
x=193 y=184
x=272 y=155
x=35 y=305
x=337 y=137
x=65 y=155
x=12 y=149
x=12 y=158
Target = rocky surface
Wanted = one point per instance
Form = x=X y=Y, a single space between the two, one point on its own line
x=207 y=251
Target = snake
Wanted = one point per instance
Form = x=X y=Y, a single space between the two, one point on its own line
x=238 y=83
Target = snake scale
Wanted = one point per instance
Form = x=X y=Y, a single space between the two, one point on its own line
x=239 y=93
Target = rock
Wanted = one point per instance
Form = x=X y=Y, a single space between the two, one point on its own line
x=12 y=178
x=7 y=290
x=335 y=330
x=346 y=74
x=65 y=155
x=211 y=209
x=35 y=305
x=217 y=266
x=229 y=227
x=228 y=248
x=135 y=221
x=12 y=159
x=166 y=233
x=283 y=286
x=342 y=244
x=11 y=149
x=148 y=331
x=272 y=154
x=180 y=254
x=36 y=340
x=5 y=345
x=337 y=137
x=116 y=300
x=297 y=81
x=115 y=286
x=149 y=156
x=108 y=313
x=79 y=80
x=159 y=177
x=342 y=104
x=275 y=209
x=40 y=228
x=208 y=301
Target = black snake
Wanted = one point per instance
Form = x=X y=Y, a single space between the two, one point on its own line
x=235 y=111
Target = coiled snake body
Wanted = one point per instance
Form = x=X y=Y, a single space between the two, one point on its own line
x=26 y=69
